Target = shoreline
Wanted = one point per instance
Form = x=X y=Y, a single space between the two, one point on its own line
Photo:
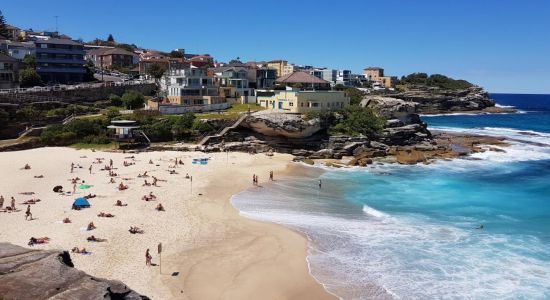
x=209 y=249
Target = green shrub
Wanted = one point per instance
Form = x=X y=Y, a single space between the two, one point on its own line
x=133 y=99
x=358 y=121
x=115 y=100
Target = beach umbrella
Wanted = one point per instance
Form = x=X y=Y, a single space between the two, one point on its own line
x=57 y=188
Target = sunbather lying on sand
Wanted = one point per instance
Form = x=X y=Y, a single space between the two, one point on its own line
x=42 y=240
x=122 y=187
x=94 y=239
x=119 y=203
x=112 y=180
x=38 y=176
x=146 y=183
x=105 y=215
x=81 y=251
x=143 y=175
x=149 y=197
x=31 y=201
x=89 y=196
x=134 y=230
x=27 y=193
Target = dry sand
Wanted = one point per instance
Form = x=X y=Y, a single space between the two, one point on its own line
x=215 y=253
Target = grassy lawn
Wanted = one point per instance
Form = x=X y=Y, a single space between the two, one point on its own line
x=108 y=146
x=231 y=113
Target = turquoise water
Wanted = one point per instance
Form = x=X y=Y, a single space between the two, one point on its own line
x=411 y=232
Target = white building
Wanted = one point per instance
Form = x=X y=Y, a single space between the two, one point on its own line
x=18 y=50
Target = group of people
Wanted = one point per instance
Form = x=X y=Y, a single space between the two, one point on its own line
x=8 y=208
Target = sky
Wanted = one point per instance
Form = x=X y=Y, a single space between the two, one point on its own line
x=502 y=45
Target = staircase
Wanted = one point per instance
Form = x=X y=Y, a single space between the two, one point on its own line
x=140 y=132
x=205 y=140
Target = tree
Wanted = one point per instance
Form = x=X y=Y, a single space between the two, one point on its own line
x=156 y=71
x=30 y=61
x=359 y=121
x=115 y=100
x=355 y=95
x=110 y=39
x=133 y=99
x=3 y=25
x=29 y=78
x=236 y=61
x=176 y=54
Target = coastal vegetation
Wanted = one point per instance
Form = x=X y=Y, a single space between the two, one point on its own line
x=434 y=80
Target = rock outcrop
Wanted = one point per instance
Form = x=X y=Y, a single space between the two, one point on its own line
x=40 y=274
x=438 y=101
x=390 y=108
x=284 y=125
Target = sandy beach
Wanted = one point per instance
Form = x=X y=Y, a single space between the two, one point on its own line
x=209 y=250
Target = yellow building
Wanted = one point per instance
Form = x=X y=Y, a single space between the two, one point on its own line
x=282 y=67
x=294 y=101
x=377 y=75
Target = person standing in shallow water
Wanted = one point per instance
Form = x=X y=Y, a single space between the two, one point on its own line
x=320 y=184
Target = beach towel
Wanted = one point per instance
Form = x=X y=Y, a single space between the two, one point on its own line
x=85 y=186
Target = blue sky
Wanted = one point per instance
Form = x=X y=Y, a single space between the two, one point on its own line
x=503 y=45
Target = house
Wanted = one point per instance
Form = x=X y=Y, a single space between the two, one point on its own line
x=343 y=77
x=9 y=72
x=202 y=60
x=265 y=78
x=376 y=74
x=325 y=74
x=110 y=58
x=190 y=86
x=296 y=101
x=233 y=84
x=281 y=66
x=303 y=80
x=60 y=60
x=17 y=50
x=13 y=32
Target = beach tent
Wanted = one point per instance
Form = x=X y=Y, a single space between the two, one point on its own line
x=81 y=202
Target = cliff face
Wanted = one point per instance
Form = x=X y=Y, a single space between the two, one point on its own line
x=437 y=101
x=283 y=125
x=40 y=274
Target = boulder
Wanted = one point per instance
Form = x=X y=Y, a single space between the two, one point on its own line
x=40 y=274
x=388 y=107
x=281 y=124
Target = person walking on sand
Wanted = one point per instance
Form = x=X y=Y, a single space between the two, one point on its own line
x=90 y=169
x=12 y=203
x=110 y=163
x=1 y=202
x=72 y=167
x=148 y=258
x=28 y=212
x=74 y=188
x=271 y=175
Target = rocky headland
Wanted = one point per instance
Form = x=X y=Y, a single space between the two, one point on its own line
x=41 y=274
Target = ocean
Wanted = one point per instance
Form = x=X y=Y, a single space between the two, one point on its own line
x=473 y=228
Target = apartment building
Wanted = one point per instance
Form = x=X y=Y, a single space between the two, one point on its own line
x=376 y=74
x=233 y=84
x=296 y=101
x=190 y=86
x=282 y=67
x=9 y=72
x=60 y=60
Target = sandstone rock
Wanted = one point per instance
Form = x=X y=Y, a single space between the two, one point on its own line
x=324 y=153
x=388 y=107
x=280 y=124
x=39 y=274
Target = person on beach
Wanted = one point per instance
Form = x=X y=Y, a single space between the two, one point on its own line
x=91 y=226
x=150 y=161
x=155 y=181
x=110 y=163
x=148 y=258
x=12 y=204
x=74 y=188
x=1 y=202
x=27 y=167
x=320 y=183
x=66 y=220
x=90 y=168
x=119 y=203
x=112 y=180
x=28 y=212
x=271 y=175
x=159 y=207
x=72 y=167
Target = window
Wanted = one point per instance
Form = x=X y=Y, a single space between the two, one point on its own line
x=290 y=103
